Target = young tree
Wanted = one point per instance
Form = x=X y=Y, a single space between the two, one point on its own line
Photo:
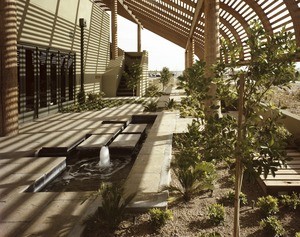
x=255 y=139
x=260 y=139
x=165 y=76
x=133 y=76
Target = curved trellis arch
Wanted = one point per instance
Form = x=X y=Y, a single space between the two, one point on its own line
x=172 y=19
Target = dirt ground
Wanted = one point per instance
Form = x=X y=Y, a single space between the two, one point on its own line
x=190 y=219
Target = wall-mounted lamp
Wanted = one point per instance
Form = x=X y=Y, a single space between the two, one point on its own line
x=82 y=24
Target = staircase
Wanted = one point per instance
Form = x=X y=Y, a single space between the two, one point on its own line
x=123 y=90
x=287 y=179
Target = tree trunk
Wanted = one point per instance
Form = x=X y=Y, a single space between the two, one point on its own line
x=239 y=165
x=211 y=51
x=8 y=70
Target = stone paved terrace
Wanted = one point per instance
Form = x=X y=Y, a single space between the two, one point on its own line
x=60 y=214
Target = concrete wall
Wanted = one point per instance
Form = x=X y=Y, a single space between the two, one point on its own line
x=55 y=24
x=292 y=123
x=144 y=82
x=112 y=77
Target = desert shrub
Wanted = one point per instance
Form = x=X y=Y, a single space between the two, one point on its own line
x=190 y=107
x=230 y=196
x=290 y=201
x=191 y=138
x=151 y=106
x=193 y=179
x=152 y=91
x=111 y=212
x=94 y=97
x=216 y=213
x=268 y=205
x=272 y=226
x=192 y=172
x=159 y=218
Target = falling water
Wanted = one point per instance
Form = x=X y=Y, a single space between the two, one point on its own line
x=104 y=158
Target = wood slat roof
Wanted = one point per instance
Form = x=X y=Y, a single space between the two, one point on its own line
x=174 y=19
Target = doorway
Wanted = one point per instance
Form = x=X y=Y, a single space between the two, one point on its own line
x=46 y=81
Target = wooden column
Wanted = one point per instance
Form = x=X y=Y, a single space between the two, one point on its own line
x=8 y=68
x=189 y=54
x=114 y=28
x=212 y=49
x=139 y=38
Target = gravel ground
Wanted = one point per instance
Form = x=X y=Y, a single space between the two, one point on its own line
x=288 y=98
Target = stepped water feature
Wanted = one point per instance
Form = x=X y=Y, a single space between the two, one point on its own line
x=102 y=157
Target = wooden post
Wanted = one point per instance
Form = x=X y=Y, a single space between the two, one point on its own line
x=186 y=58
x=8 y=68
x=211 y=50
x=139 y=38
x=191 y=52
x=114 y=28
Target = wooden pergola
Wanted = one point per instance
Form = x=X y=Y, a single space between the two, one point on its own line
x=184 y=22
x=195 y=25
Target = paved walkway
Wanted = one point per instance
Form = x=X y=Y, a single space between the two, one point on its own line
x=60 y=214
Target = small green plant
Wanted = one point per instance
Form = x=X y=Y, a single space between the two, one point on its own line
x=272 y=226
x=216 y=213
x=151 y=106
x=213 y=234
x=268 y=205
x=229 y=198
x=170 y=104
x=297 y=234
x=152 y=91
x=113 y=206
x=290 y=201
x=81 y=97
x=159 y=218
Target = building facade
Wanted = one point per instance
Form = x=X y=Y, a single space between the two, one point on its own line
x=49 y=43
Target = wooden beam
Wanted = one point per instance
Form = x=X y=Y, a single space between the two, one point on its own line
x=121 y=8
x=125 y=7
x=114 y=29
x=139 y=39
x=195 y=21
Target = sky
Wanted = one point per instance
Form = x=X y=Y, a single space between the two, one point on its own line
x=161 y=52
